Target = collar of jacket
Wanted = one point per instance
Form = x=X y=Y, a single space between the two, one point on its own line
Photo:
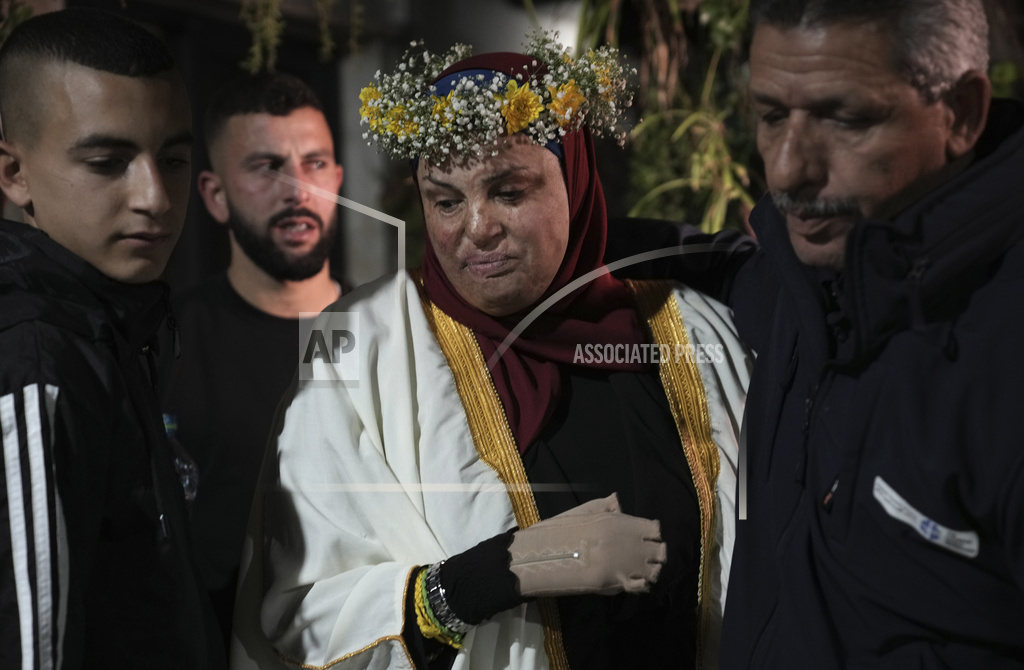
x=58 y=287
x=922 y=266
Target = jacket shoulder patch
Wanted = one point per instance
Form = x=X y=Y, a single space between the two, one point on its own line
x=963 y=542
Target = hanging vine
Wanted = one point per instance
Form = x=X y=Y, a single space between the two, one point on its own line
x=355 y=26
x=265 y=23
x=17 y=13
x=324 y=9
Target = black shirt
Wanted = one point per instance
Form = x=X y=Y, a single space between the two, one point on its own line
x=236 y=362
x=614 y=432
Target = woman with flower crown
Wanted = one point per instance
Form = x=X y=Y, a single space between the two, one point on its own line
x=523 y=470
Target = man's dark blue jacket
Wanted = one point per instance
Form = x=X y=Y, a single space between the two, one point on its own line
x=885 y=480
x=885 y=433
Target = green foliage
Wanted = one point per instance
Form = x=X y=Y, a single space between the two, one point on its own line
x=264 y=21
x=690 y=154
x=598 y=20
x=1006 y=77
x=685 y=170
x=17 y=14
x=355 y=20
x=323 y=19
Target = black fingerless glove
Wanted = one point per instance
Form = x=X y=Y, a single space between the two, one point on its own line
x=477 y=583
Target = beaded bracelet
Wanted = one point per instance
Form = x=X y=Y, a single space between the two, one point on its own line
x=427 y=621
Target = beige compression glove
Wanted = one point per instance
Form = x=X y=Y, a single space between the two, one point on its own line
x=593 y=548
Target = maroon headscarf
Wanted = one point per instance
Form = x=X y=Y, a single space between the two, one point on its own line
x=527 y=375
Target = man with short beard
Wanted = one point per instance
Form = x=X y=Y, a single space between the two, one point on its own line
x=269 y=142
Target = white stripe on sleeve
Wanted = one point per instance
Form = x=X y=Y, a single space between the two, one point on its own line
x=40 y=524
x=19 y=535
x=63 y=563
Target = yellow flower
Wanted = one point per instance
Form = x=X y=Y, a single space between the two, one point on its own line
x=441 y=108
x=519 y=106
x=565 y=102
x=604 y=78
x=369 y=111
x=398 y=122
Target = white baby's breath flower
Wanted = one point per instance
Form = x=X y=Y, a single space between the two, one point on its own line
x=410 y=117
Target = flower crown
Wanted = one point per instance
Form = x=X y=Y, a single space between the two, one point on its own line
x=408 y=117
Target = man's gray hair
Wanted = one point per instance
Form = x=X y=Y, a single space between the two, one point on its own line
x=934 y=41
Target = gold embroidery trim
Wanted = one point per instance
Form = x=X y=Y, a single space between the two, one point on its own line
x=493 y=439
x=688 y=400
x=389 y=638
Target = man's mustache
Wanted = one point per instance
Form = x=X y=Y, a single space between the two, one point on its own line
x=294 y=213
x=816 y=208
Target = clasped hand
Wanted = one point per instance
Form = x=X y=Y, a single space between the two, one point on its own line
x=590 y=549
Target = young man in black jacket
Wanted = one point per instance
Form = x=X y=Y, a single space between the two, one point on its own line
x=95 y=563
x=882 y=497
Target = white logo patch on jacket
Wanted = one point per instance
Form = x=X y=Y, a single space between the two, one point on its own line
x=963 y=542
